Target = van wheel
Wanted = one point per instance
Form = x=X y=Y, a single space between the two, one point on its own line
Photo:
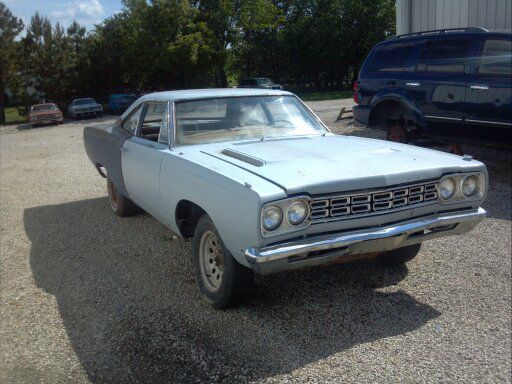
x=120 y=204
x=221 y=279
x=400 y=256
x=397 y=132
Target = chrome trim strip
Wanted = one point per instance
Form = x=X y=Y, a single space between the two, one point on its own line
x=442 y=118
x=275 y=258
x=488 y=122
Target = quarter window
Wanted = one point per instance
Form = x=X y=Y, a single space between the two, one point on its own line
x=496 y=58
x=448 y=56
x=154 y=120
x=132 y=122
x=393 y=58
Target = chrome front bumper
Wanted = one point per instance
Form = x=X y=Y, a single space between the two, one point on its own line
x=322 y=249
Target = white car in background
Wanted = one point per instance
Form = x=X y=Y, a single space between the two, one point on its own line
x=87 y=107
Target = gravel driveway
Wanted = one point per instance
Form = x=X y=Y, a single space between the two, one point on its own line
x=90 y=297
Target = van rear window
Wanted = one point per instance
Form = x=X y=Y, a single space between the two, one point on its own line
x=393 y=58
x=496 y=58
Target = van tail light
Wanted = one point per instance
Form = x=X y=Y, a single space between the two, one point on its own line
x=356 y=91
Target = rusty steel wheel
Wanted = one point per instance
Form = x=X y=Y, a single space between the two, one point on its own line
x=211 y=261
x=397 y=133
x=121 y=205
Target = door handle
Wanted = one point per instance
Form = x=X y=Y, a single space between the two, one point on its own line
x=479 y=87
x=124 y=150
x=413 y=84
x=391 y=83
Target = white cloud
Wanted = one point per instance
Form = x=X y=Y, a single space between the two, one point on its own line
x=85 y=12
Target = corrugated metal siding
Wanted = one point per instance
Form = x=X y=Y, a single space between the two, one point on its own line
x=424 y=15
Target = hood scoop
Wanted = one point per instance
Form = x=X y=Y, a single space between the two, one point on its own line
x=243 y=157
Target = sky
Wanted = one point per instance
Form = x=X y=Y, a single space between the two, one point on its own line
x=85 y=12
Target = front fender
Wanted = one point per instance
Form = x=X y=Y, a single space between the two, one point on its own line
x=403 y=98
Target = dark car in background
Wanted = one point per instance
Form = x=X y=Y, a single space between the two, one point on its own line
x=118 y=103
x=450 y=84
x=258 y=82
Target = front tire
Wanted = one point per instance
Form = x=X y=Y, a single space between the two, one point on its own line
x=221 y=279
x=400 y=256
x=120 y=204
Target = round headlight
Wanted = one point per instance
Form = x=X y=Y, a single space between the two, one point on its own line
x=272 y=217
x=447 y=188
x=470 y=186
x=297 y=212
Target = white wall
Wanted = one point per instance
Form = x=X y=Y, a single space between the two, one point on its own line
x=424 y=15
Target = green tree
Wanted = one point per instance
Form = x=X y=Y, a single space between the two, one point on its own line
x=10 y=27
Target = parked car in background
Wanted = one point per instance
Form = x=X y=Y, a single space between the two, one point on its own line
x=118 y=103
x=259 y=82
x=84 y=107
x=46 y=113
x=261 y=185
x=453 y=84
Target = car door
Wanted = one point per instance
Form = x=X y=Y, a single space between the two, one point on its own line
x=142 y=156
x=489 y=88
x=441 y=78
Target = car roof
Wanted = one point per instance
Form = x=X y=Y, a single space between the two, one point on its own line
x=41 y=104
x=195 y=94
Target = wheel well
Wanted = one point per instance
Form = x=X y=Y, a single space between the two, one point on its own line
x=387 y=110
x=187 y=216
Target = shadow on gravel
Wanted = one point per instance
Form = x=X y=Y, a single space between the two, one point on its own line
x=128 y=300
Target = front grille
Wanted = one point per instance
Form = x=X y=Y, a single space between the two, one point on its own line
x=392 y=199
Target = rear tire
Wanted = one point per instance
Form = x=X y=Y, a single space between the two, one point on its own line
x=400 y=256
x=120 y=204
x=222 y=280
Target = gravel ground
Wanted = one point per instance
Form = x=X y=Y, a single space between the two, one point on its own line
x=90 y=297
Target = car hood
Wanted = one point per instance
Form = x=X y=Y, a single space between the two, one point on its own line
x=332 y=163
x=45 y=112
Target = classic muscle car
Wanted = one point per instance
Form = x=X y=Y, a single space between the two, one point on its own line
x=45 y=114
x=261 y=185
x=84 y=107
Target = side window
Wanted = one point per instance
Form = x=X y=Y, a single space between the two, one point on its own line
x=131 y=123
x=164 y=130
x=496 y=58
x=393 y=58
x=153 y=120
x=448 y=56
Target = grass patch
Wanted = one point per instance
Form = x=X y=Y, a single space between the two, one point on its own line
x=12 y=116
x=328 y=95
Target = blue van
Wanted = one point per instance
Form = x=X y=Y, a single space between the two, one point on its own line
x=453 y=84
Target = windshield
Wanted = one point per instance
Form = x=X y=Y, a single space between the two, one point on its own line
x=238 y=118
x=84 y=101
x=264 y=81
x=127 y=99
x=43 y=107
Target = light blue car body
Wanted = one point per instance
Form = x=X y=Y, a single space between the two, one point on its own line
x=233 y=189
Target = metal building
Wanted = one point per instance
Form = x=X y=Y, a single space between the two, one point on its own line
x=425 y=15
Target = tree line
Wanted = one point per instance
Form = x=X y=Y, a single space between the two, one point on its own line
x=174 y=44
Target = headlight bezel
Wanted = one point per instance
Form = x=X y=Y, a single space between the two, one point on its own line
x=285 y=226
x=459 y=195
